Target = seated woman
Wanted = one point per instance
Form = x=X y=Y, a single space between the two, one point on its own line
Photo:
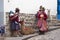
x=42 y=24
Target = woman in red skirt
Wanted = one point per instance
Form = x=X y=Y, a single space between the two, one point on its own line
x=42 y=23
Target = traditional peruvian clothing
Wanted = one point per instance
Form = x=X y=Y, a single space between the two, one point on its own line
x=42 y=24
x=14 y=22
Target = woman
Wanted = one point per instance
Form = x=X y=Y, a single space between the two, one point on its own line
x=42 y=24
x=14 y=20
x=11 y=14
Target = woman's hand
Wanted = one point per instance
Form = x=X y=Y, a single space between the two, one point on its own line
x=15 y=15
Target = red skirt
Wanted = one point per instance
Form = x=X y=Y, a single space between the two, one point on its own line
x=42 y=25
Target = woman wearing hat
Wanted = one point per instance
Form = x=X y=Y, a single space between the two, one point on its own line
x=14 y=23
x=42 y=24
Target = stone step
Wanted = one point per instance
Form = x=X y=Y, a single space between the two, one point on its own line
x=2 y=38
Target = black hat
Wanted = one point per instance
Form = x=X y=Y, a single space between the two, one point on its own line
x=17 y=10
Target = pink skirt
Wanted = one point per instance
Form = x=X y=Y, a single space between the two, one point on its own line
x=42 y=25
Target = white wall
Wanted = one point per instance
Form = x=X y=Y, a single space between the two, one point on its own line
x=31 y=6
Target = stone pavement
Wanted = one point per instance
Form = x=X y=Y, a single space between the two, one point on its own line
x=20 y=38
x=52 y=34
x=1 y=38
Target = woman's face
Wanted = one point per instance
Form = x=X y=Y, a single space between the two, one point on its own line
x=41 y=11
x=17 y=10
x=16 y=13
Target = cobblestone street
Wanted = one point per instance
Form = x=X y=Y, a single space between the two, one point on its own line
x=52 y=34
